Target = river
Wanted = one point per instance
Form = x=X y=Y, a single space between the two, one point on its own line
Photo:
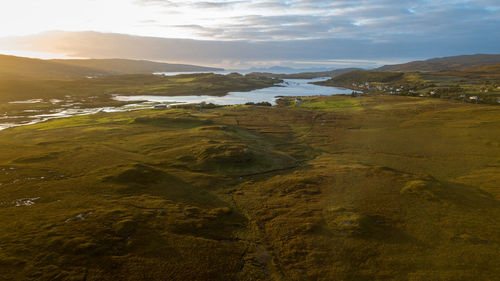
x=289 y=87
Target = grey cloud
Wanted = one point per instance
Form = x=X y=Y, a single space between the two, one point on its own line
x=190 y=4
x=375 y=20
x=157 y=2
x=103 y=45
x=217 y=4
x=308 y=30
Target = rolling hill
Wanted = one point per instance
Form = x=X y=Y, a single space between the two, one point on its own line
x=20 y=67
x=307 y=75
x=362 y=76
x=126 y=66
x=445 y=63
x=334 y=188
x=485 y=72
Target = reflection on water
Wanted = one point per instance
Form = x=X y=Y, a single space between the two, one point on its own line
x=59 y=113
x=68 y=108
x=28 y=101
x=222 y=72
x=290 y=87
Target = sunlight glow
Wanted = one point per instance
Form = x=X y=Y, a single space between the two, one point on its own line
x=25 y=17
x=173 y=19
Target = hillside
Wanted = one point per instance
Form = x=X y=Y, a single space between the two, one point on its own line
x=484 y=72
x=125 y=66
x=335 y=188
x=20 y=67
x=132 y=84
x=445 y=63
x=477 y=85
x=307 y=75
x=362 y=76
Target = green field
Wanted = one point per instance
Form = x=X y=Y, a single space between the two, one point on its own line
x=57 y=95
x=12 y=89
x=475 y=85
x=68 y=69
x=333 y=188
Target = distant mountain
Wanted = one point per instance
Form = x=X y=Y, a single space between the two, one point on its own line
x=287 y=70
x=307 y=75
x=20 y=67
x=362 y=76
x=274 y=69
x=443 y=64
x=125 y=66
x=484 y=72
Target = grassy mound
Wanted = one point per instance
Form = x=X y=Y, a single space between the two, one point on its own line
x=239 y=159
x=139 y=174
x=171 y=122
x=398 y=189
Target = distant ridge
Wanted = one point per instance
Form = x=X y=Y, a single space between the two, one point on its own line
x=126 y=66
x=491 y=71
x=21 y=67
x=307 y=75
x=444 y=64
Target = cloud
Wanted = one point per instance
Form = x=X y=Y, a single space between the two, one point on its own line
x=190 y=4
x=256 y=30
x=315 y=19
x=336 y=51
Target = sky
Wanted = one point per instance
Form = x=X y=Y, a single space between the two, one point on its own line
x=379 y=31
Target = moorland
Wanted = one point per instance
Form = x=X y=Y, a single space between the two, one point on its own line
x=333 y=188
x=21 y=99
x=476 y=85
x=35 y=87
x=373 y=186
x=31 y=68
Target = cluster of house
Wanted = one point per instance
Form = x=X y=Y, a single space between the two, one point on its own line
x=402 y=89
x=391 y=89
x=471 y=98
x=494 y=87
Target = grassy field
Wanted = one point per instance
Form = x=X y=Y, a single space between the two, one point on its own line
x=475 y=85
x=67 y=69
x=333 y=188
x=12 y=89
x=51 y=96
